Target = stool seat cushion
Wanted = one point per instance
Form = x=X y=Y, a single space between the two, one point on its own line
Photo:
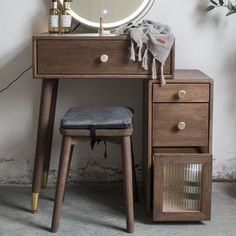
x=98 y=117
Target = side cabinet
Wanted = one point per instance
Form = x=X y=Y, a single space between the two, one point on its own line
x=178 y=158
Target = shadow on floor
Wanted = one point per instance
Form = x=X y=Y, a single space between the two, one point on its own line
x=99 y=205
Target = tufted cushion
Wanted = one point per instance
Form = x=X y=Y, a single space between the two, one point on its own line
x=99 y=117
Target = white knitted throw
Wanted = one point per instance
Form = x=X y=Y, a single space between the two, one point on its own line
x=157 y=38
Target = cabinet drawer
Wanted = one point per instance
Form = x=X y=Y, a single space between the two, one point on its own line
x=167 y=118
x=181 y=93
x=81 y=56
x=182 y=187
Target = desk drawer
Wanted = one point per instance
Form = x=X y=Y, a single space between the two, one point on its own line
x=181 y=93
x=169 y=121
x=81 y=56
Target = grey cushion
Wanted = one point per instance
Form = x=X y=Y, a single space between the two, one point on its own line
x=98 y=117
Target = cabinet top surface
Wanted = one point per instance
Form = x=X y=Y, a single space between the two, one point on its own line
x=190 y=75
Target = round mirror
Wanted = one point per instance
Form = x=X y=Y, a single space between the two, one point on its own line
x=113 y=12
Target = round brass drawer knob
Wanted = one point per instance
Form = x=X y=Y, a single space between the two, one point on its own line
x=104 y=58
x=181 y=125
x=181 y=94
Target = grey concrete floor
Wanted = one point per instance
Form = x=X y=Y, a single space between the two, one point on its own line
x=97 y=209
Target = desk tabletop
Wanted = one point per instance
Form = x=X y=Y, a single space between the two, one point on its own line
x=81 y=36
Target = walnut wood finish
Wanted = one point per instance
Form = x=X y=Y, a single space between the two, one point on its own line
x=99 y=132
x=45 y=129
x=169 y=93
x=135 y=186
x=76 y=56
x=181 y=150
x=72 y=137
x=162 y=159
x=211 y=117
x=50 y=126
x=147 y=146
x=70 y=159
x=48 y=70
x=61 y=181
x=166 y=117
x=162 y=108
x=128 y=182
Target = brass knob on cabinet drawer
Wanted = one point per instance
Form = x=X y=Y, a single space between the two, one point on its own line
x=104 y=58
x=181 y=125
x=181 y=94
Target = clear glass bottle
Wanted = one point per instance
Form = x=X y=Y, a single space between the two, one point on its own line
x=65 y=18
x=53 y=24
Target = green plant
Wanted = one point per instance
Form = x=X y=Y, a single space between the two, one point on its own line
x=229 y=5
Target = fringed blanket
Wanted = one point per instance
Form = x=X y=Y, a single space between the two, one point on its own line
x=157 y=38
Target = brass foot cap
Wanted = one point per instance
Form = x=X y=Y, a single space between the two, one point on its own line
x=44 y=179
x=35 y=198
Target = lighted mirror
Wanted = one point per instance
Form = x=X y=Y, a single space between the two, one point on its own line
x=113 y=12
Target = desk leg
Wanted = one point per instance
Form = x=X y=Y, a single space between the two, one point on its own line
x=47 y=158
x=44 y=136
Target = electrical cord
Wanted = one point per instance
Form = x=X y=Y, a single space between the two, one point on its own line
x=9 y=85
x=12 y=82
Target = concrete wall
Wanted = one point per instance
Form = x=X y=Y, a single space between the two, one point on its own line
x=206 y=42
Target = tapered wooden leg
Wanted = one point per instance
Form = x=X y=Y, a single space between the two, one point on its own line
x=128 y=182
x=61 y=182
x=67 y=175
x=135 y=186
x=47 y=158
x=43 y=137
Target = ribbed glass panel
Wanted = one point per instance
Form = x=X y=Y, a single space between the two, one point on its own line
x=182 y=187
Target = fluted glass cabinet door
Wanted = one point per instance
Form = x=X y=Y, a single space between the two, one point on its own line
x=182 y=187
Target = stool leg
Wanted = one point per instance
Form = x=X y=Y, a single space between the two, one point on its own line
x=67 y=175
x=135 y=186
x=128 y=185
x=71 y=153
x=61 y=182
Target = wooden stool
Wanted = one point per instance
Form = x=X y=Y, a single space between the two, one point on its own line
x=112 y=124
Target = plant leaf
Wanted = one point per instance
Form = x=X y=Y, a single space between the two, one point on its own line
x=231 y=12
x=209 y=8
x=221 y=2
x=215 y=3
x=230 y=6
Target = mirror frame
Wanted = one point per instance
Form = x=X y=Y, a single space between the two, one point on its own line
x=137 y=15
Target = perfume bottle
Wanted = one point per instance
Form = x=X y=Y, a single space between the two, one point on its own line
x=53 y=24
x=65 y=18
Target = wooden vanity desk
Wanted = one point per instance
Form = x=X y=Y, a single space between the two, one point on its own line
x=177 y=119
